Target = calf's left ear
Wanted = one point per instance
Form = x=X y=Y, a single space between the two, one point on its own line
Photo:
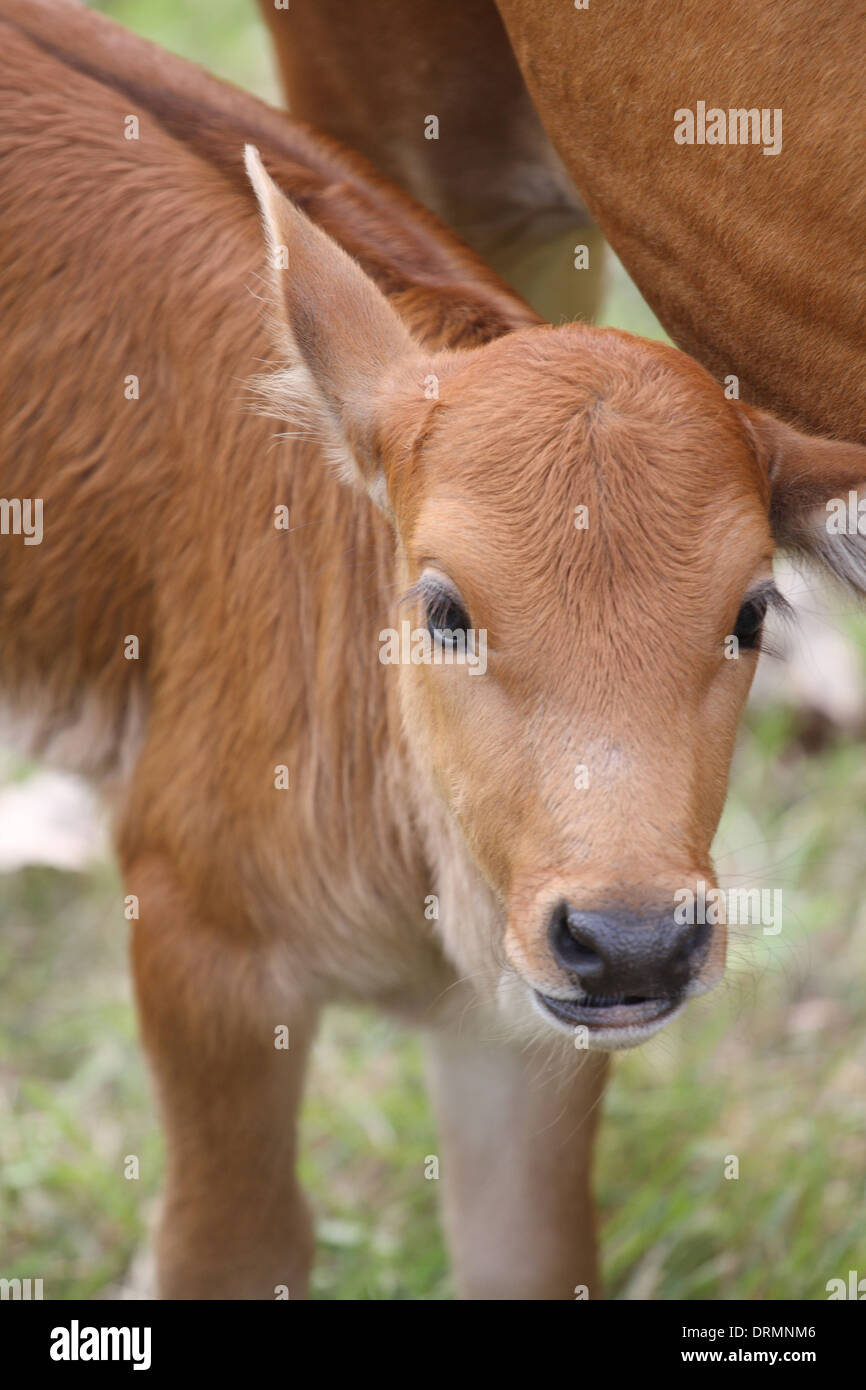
x=818 y=495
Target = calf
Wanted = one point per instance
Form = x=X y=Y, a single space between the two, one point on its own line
x=482 y=828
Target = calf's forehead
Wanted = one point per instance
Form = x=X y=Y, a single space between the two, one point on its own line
x=592 y=402
x=540 y=475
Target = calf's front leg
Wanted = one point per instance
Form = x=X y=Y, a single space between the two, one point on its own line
x=234 y=1223
x=517 y=1128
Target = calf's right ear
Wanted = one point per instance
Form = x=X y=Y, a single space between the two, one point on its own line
x=818 y=495
x=346 y=353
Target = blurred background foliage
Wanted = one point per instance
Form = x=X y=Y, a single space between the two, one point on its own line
x=771 y=1067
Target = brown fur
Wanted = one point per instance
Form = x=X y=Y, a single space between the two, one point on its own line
x=260 y=647
x=754 y=265
x=371 y=76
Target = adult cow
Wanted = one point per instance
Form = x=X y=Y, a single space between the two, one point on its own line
x=754 y=263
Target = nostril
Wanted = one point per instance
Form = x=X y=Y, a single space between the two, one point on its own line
x=687 y=955
x=623 y=953
x=572 y=947
x=691 y=945
x=699 y=943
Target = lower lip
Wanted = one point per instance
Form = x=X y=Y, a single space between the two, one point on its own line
x=619 y=1025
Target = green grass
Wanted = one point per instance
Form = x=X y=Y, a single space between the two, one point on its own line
x=770 y=1068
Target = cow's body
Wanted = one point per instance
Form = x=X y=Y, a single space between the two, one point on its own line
x=755 y=264
x=378 y=77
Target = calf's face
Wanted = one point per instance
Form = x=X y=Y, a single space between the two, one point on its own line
x=589 y=508
x=585 y=529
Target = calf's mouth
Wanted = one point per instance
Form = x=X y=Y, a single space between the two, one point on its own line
x=611 y=1021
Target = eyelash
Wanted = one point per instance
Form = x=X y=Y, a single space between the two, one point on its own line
x=765 y=601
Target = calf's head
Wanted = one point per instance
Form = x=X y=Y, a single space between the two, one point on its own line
x=585 y=518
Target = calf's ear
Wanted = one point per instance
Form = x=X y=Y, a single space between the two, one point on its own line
x=345 y=351
x=818 y=495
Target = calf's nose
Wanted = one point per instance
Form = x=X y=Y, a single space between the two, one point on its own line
x=620 y=953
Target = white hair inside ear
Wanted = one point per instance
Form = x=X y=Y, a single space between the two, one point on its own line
x=341 y=344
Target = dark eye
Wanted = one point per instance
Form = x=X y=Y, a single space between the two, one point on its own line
x=446 y=616
x=750 y=621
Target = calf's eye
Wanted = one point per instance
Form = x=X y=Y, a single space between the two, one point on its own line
x=446 y=617
x=750 y=620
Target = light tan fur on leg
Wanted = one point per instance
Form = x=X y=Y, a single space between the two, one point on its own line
x=234 y=1223
x=517 y=1128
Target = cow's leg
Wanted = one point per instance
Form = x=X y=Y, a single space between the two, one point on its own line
x=517 y=1130
x=234 y=1223
x=562 y=275
x=374 y=75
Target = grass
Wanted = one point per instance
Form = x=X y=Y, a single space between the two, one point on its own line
x=770 y=1069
